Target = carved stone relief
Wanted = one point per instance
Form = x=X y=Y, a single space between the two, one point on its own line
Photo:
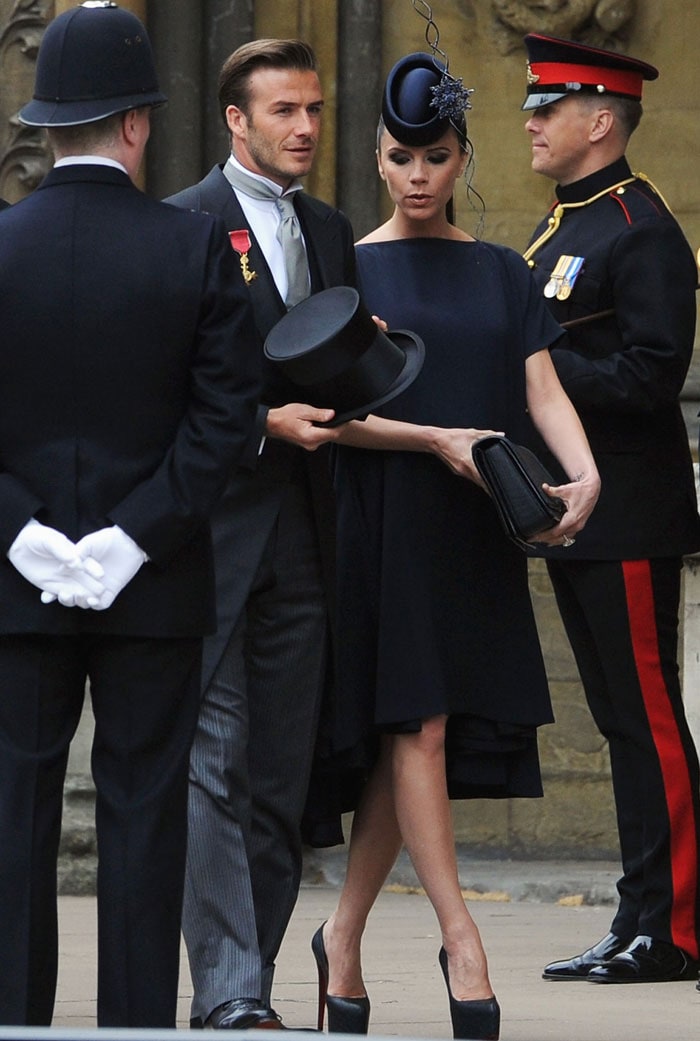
x=598 y=23
x=24 y=155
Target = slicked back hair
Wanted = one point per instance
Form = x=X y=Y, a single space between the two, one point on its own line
x=234 y=78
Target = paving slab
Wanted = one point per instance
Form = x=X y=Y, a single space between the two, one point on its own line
x=403 y=977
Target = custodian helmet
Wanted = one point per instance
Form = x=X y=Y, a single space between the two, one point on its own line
x=95 y=60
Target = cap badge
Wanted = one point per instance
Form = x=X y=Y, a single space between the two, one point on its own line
x=532 y=77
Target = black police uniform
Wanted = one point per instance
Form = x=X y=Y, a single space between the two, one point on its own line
x=130 y=379
x=627 y=284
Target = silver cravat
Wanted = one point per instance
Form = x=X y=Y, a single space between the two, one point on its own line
x=295 y=259
x=288 y=232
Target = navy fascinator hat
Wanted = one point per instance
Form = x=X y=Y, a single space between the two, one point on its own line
x=421 y=100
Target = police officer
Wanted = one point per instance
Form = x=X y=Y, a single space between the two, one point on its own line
x=128 y=388
x=614 y=266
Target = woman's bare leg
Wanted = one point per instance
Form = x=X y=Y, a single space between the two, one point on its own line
x=425 y=823
x=375 y=843
x=405 y=802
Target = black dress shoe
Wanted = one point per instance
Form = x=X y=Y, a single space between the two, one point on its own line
x=646 y=960
x=578 y=968
x=243 y=1014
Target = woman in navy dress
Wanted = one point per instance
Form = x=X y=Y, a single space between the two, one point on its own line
x=441 y=685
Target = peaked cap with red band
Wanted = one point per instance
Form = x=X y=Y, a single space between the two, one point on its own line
x=557 y=68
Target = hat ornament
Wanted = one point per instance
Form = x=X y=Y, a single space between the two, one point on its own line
x=450 y=97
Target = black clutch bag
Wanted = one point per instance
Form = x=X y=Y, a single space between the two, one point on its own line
x=514 y=476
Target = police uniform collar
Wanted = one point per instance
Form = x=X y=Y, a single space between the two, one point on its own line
x=595 y=183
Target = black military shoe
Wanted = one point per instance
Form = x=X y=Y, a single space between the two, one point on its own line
x=646 y=960
x=578 y=968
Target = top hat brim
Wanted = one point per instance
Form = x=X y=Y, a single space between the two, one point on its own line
x=414 y=352
x=38 y=113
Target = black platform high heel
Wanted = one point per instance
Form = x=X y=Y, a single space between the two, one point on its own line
x=345 y=1015
x=478 y=1020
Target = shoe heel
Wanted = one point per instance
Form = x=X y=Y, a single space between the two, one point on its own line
x=478 y=1020
x=319 y=952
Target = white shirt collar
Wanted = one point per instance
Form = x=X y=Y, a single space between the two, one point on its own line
x=89 y=160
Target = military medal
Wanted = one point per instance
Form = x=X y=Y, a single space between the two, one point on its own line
x=555 y=279
x=571 y=273
x=240 y=240
x=563 y=277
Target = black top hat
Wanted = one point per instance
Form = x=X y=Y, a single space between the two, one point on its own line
x=95 y=60
x=332 y=349
x=557 y=68
x=421 y=100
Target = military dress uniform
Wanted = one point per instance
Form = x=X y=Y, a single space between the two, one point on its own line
x=616 y=270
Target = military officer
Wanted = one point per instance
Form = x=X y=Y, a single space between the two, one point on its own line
x=614 y=266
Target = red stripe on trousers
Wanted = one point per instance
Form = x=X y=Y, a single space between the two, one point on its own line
x=669 y=747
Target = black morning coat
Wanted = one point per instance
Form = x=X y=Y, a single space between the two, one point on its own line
x=633 y=306
x=129 y=379
x=245 y=514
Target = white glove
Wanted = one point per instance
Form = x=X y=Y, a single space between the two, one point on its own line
x=118 y=556
x=51 y=562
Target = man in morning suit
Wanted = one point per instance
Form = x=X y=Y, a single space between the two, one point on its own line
x=615 y=267
x=129 y=378
x=265 y=669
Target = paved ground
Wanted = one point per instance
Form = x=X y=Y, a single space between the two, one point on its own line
x=528 y=913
